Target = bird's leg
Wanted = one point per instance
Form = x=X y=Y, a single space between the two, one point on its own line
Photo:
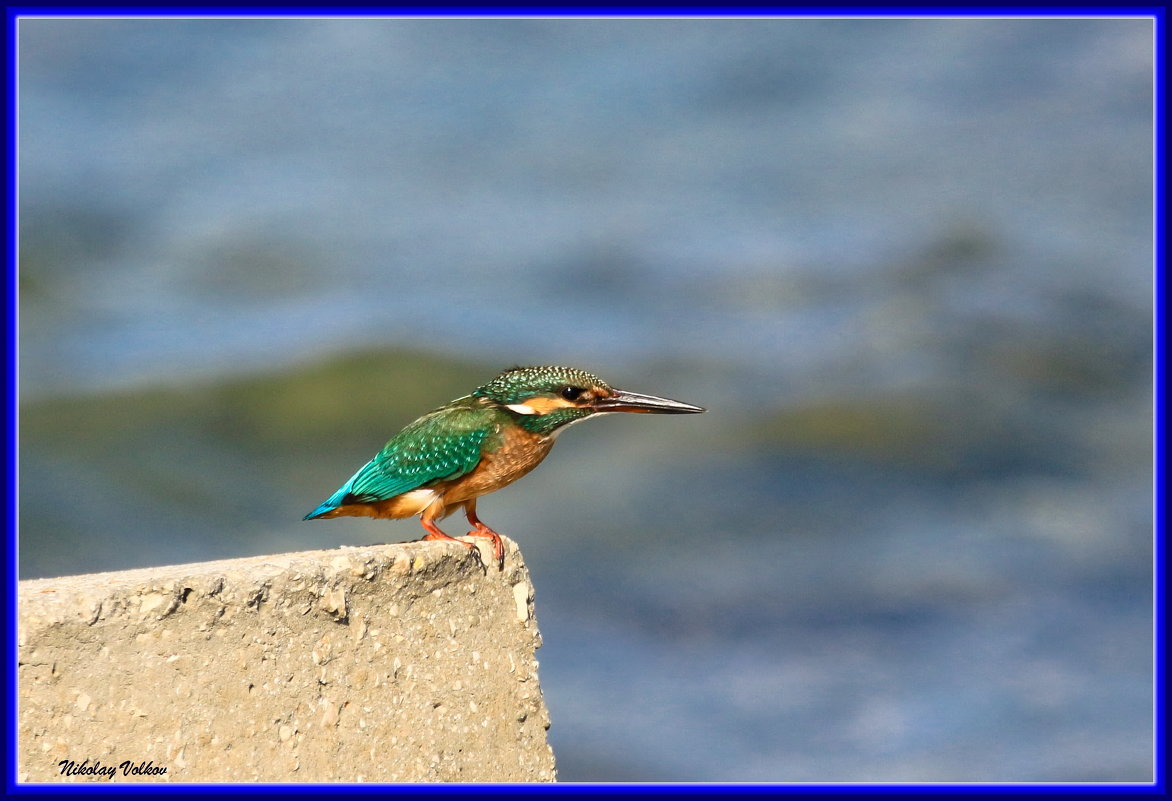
x=433 y=533
x=481 y=530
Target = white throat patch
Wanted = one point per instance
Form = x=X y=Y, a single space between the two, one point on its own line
x=562 y=428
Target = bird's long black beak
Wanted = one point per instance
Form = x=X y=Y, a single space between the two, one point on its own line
x=622 y=401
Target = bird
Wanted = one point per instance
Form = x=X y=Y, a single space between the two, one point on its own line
x=477 y=444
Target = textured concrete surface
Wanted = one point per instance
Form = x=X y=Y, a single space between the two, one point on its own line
x=404 y=662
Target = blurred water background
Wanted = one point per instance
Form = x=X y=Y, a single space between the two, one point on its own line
x=907 y=264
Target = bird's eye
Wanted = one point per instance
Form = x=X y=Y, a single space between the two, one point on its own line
x=572 y=393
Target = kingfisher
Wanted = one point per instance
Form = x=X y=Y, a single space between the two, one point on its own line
x=477 y=444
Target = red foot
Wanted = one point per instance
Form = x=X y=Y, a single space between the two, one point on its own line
x=433 y=533
x=498 y=547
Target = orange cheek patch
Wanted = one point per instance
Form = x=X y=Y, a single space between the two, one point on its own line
x=545 y=405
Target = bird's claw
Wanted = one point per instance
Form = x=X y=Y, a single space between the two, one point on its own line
x=498 y=552
x=498 y=546
x=476 y=557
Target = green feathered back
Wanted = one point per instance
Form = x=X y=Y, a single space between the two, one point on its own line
x=436 y=447
x=439 y=446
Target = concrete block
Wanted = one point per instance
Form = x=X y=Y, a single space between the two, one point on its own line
x=389 y=663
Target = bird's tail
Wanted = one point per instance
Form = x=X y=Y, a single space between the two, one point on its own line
x=331 y=504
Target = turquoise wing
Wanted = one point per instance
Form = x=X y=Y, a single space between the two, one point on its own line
x=437 y=447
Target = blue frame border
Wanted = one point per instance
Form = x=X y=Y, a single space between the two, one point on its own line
x=12 y=16
x=10 y=393
x=1159 y=423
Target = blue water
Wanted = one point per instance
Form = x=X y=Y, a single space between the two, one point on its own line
x=756 y=214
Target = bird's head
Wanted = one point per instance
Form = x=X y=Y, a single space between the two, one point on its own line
x=544 y=399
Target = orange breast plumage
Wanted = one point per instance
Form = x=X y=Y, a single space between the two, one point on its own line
x=519 y=452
